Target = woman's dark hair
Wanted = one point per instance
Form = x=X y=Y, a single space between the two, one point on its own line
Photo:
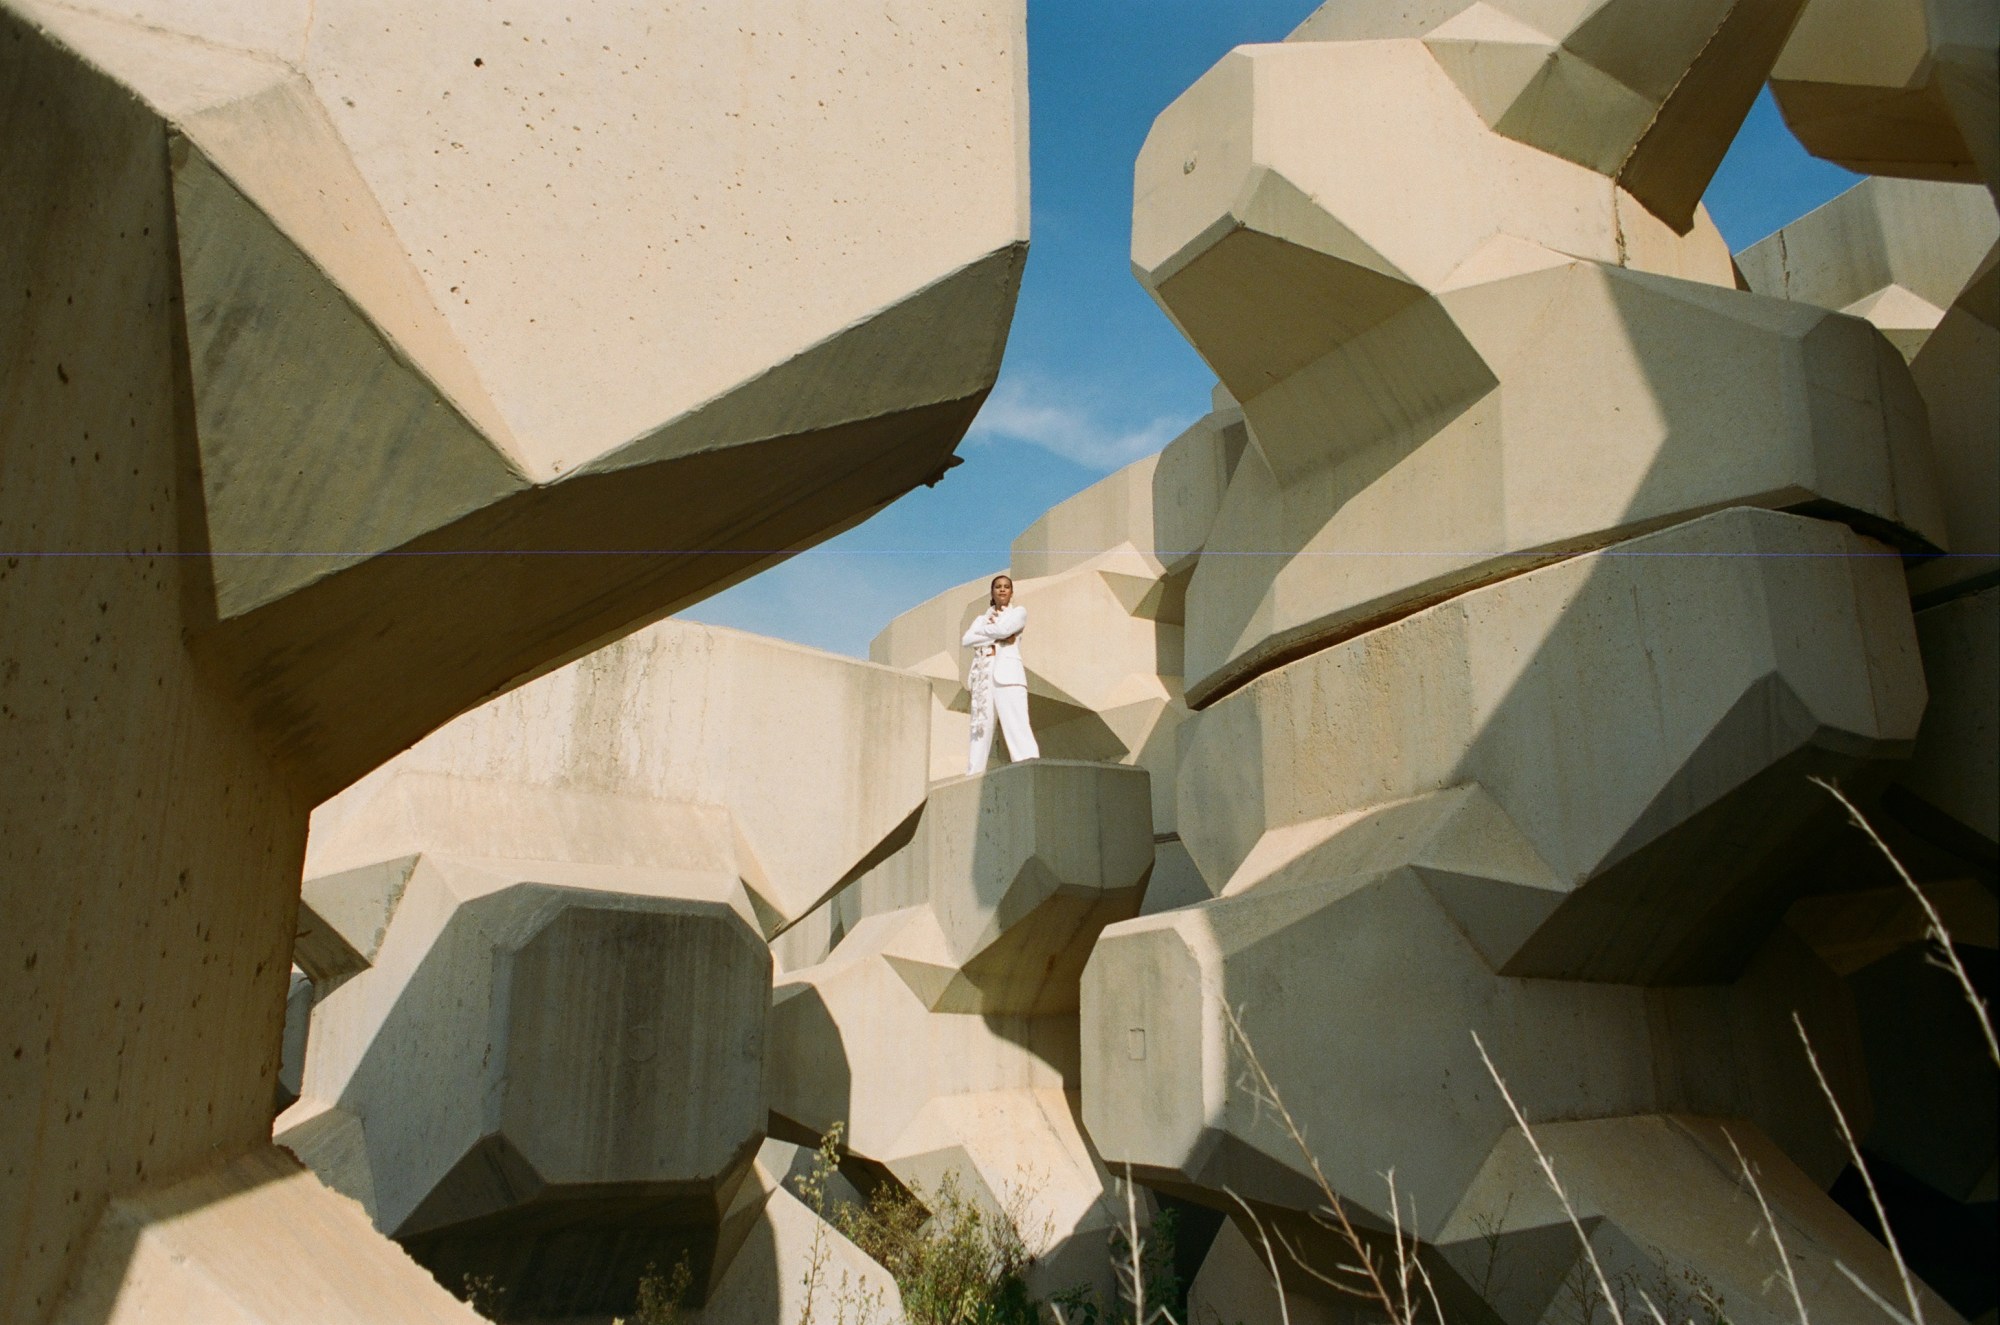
x=994 y=584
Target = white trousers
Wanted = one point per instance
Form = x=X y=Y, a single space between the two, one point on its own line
x=1010 y=707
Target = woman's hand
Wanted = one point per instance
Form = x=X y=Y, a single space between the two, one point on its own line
x=1010 y=639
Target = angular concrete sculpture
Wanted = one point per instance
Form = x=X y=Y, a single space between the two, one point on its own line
x=1919 y=261
x=1896 y=87
x=1558 y=751
x=1104 y=575
x=789 y=1264
x=1896 y=252
x=677 y=747
x=1590 y=728
x=1513 y=1238
x=1452 y=771
x=254 y=1239
x=941 y=1028
x=361 y=363
x=546 y=1079
x=1922 y=261
x=1235 y=1282
x=1543 y=361
x=598 y=858
x=1653 y=115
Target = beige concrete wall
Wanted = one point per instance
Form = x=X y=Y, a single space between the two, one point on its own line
x=683 y=746
x=271 y=299
x=150 y=845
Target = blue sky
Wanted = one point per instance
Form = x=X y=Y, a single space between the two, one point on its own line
x=1095 y=376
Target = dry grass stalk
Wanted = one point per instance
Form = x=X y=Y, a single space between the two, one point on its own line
x=1555 y=1184
x=1409 y=1269
x=1771 y=1226
x=1916 y=1316
x=1130 y=1272
x=1937 y=932
x=1266 y=1091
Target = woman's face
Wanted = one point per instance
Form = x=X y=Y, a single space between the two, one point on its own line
x=1003 y=591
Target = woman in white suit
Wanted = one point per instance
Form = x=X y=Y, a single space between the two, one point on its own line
x=999 y=683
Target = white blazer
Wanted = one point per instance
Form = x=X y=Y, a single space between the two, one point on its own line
x=985 y=633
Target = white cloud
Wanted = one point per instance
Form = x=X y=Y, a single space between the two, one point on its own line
x=1030 y=410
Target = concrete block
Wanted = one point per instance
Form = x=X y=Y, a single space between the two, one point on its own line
x=1953 y=769
x=1413 y=390
x=793 y=1265
x=1360 y=994
x=550 y=1077
x=1896 y=252
x=1957 y=363
x=940 y=1029
x=1917 y=259
x=1022 y=865
x=677 y=747
x=1379 y=854
x=1649 y=98
x=1236 y=1284
x=255 y=1240
x=1707 y=1240
x=1576 y=739
x=1895 y=87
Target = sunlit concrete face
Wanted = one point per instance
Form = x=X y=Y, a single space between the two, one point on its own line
x=1500 y=817
x=1572 y=720
x=1921 y=260
x=765 y=772
x=1918 y=259
x=940 y=1030
x=346 y=328
x=1525 y=775
x=1459 y=355
x=520 y=194
x=466 y=337
x=1647 y=97
x=1554 y=565
x=1895 y=87
x=1896 y=252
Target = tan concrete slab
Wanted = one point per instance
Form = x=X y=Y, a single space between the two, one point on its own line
x=255 y=1240
x=1902 y=87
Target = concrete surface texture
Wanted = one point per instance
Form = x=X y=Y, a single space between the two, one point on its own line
x=779 y=771
x=558 y=904
x=1895 y=87
x=249 y=1240
x=790 y=1264
x=1917 y=259
x=1461 y=672
x=547 y=1078
x=1897 y=252
x=1511 y=736
x=1421 y=913
x=940 y=1031
x=1451 y=345
x=318 y=318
